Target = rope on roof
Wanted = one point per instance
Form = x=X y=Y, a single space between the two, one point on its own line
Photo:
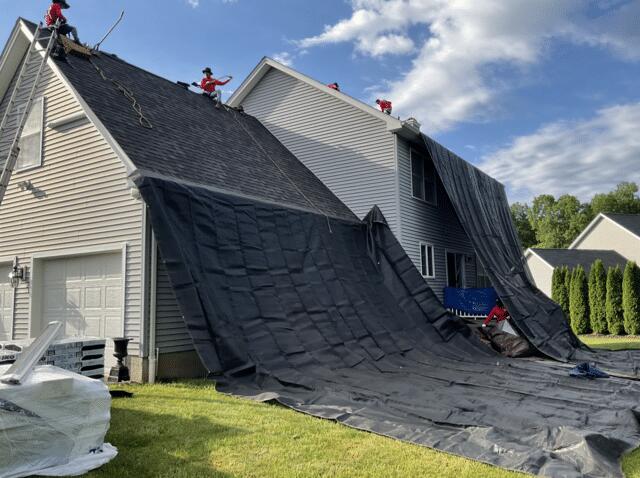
x=142 y=119
x=266 y=153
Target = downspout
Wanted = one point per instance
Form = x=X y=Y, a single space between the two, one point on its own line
x=153 y=353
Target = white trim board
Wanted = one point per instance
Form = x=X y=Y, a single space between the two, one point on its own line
x=593 y=224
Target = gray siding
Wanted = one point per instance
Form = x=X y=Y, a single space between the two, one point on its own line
x=349 y=150
x=84 y=201
x=171 y=332
x=437 y=225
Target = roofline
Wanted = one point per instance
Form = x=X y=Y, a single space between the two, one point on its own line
x=93 y=118
x=394 y=125
x=6 y=55
x=593 y=224
x=531 y=252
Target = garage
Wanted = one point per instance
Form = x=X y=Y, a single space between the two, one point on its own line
x=6 y=303
x=85 y=294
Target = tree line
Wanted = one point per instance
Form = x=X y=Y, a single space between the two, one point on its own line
x=555 y=223
x=605 y=302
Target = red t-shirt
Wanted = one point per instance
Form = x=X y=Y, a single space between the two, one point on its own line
x=500 y=313
x=209 y=84
x=54 y=14
x=385 y=105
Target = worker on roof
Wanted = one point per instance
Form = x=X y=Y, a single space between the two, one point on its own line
x=385 y=106
x=499 y=312
x=209 y=83
x=334 y=86
x=55 y=17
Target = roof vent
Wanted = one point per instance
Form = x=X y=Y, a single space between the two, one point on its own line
x=412 y=123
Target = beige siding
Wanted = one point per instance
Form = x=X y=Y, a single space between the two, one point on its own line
x=606 y=235
x=81 y=200
x=349 y=150
x=539 y=272
x=434 y=224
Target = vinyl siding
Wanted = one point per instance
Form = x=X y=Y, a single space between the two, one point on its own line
x=83 y=200
x=437 y=225
x=539 y=272
x=171 y=332
x=349 y=150
x=609 y=236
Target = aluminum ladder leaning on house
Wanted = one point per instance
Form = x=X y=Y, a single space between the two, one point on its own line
x=19 y=106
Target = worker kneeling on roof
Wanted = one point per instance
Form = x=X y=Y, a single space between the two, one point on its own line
x=55 y=17
x=499 y=312
x=385 y=106
x=209 y=83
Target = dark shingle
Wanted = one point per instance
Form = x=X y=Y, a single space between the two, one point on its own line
x=583 y=257
x=631 y=222
x=192 y=140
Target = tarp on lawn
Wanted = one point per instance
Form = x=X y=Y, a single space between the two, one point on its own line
x=483 y=210
x=331 y=318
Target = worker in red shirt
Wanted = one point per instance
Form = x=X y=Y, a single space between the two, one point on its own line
x=385 y=106
x=209 y=83
x=499 y=312
x=54 y=16
x=334 y=86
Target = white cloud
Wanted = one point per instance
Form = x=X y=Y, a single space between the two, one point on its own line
x=284 y=57
x=577 y=157
x=450 y=77
x=194 y=3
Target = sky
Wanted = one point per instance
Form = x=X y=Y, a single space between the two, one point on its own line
x=543 y=95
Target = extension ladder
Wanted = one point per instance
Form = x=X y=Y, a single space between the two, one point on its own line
x=19 y=106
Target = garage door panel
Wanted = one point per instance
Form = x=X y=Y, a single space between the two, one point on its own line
x=73 y=298
x=93 y=298
x=54 y=299
x=113 y=327
x=113 y=297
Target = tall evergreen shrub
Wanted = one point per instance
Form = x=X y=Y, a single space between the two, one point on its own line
x=615 y=317
x=579 y=302
x=598 y=297
x=631 y=298
x=559 y=292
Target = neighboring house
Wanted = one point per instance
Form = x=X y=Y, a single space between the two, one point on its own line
x=74 y=219
x=366 y=158
x=613 y=238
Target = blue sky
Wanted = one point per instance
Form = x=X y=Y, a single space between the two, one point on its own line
x=543 y=95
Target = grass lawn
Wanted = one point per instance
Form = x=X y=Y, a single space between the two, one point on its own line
x=189 y=430
x=618 y=342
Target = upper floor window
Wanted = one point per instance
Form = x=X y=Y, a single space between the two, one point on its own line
x=31 y=140
x=427 y=261
x=423 y=178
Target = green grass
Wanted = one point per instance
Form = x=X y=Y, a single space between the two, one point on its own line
x=189 y=430
x=617 y=342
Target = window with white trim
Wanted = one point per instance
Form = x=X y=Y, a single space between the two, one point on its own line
x=427 y=260
x=30 y=144
x=423 y=178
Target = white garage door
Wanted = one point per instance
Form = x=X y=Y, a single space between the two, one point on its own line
x=6 y=303
x=85 y=294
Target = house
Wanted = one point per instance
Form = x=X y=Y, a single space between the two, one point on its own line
x=613 y=238
x=366 y=158
x=74 y=219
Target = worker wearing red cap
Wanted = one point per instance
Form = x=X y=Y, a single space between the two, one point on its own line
x=499 y=312
x=385 y=106
x=209 y=83
x=334 y=86
x=55 y=17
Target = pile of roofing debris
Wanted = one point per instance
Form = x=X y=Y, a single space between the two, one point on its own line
x=328 y=315
x=52 y=421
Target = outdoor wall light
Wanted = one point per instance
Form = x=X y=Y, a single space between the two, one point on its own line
x=17 y=274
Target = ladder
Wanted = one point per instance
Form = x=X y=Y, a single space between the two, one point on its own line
x=19 y=106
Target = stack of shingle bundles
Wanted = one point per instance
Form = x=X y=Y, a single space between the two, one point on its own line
x=9 y=352
x=83 y=356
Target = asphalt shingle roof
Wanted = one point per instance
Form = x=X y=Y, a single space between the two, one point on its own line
x=191 y=140
x=631 y=222
x=583 y=257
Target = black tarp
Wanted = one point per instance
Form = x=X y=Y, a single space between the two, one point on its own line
x=338 y=323
x=483 y=210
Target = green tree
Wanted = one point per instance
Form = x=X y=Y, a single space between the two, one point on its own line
x=615 y=321
x=520 y=213
x=557 y=223
x=559 y=289
x=598 y=297
x=579 y=302
x=623 y=199
x=631 y=298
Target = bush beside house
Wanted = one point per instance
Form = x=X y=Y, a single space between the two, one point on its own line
x=615 y=320
x=631 y=298
x=598 y=298
x=579 y=302
x=559 y=288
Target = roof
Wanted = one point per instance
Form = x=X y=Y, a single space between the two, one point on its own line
x=191 y=140
x=575 y=257
x=405 y=128
x=630 y=222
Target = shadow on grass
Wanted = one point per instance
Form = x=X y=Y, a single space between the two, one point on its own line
x=163 y=445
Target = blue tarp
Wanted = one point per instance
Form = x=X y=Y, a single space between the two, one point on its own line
x=470 y=301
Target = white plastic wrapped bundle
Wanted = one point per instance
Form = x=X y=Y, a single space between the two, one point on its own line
x=53 y=424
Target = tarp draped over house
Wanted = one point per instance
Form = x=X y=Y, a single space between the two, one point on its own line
x=338 y=323
x=483 y=210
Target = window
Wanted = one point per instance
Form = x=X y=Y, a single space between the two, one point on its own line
x=427 y=261
x=455 y=270
x=482 y=280
x=31 y=140
x=423 y=178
